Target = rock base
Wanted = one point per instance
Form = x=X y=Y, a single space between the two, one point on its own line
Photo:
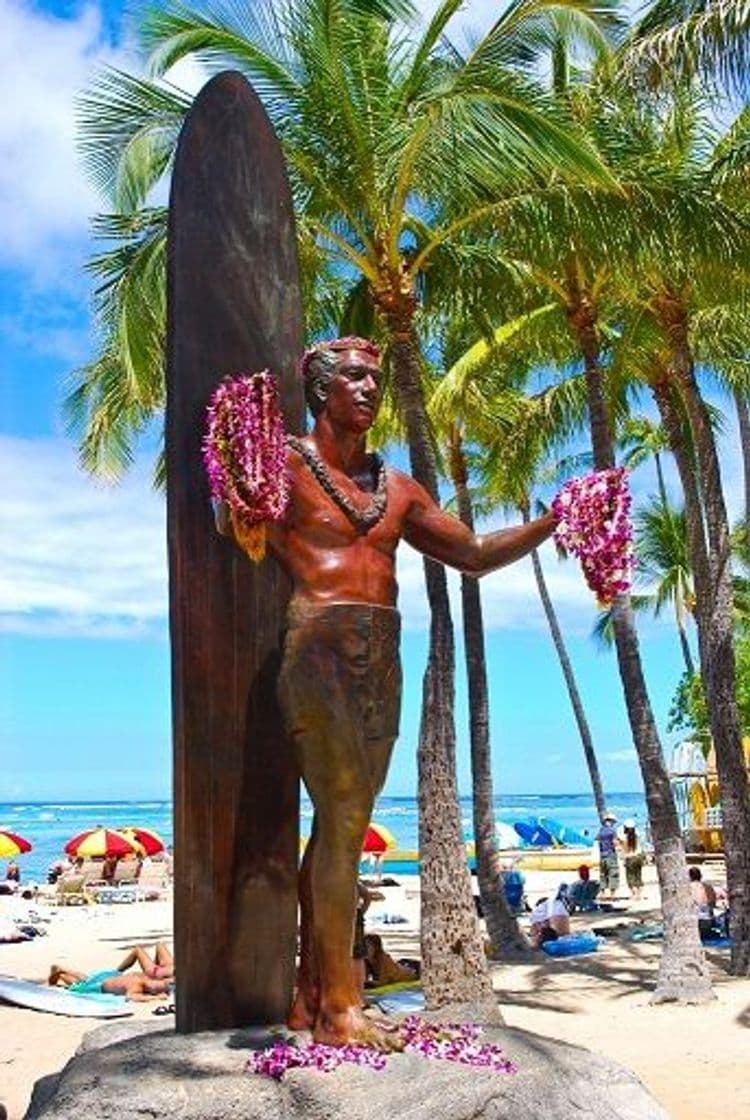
x=129 y=1071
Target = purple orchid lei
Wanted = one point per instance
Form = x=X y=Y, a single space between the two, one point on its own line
x=244 y=452
x=593 y=514
x=452 y=1042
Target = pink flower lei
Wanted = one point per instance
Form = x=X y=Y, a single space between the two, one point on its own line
x=244 y=452
x=452 y=1042
x=593 y=514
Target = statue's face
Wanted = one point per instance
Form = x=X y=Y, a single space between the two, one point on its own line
x=354 y=391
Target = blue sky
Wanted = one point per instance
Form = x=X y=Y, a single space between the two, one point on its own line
x=84 y=657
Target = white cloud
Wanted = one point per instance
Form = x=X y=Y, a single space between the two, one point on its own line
x=78 y=558
x=45 y=63
x=627 y=754
x=510 y=599
x=83 y=559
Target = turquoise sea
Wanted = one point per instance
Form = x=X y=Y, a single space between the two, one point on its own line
x=48 y=825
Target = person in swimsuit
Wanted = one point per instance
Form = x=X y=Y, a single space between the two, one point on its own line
x=340 y=681
x=133 y=985
x=158 y=967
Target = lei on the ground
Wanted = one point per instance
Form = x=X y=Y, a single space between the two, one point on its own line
x=453 y=1042
x=244 y=452
x=593 y=514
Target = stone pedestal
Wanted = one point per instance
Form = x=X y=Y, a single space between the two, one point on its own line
x=131 y=1071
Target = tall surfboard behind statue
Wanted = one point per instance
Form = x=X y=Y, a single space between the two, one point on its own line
x=233 y=306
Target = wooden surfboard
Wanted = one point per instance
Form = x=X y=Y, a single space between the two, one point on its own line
x=233 y=306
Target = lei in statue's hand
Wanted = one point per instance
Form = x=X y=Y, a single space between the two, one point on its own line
x=593 y=514
x=244 y=452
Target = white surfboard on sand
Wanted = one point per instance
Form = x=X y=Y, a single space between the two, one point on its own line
x=58 y=1001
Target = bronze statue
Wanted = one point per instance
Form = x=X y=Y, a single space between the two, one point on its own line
x=340 y=681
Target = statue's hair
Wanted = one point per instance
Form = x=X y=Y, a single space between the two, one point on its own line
x=319 y=363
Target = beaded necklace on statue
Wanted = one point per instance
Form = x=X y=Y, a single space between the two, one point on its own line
x=362 y=519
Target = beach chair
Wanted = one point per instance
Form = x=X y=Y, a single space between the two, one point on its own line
x=582 y=895
x=117 y=894
x=153 y=881
x=72 y=891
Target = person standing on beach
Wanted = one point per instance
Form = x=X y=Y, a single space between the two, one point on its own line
x=609 y=867
x=340 y=681
x=635 y=858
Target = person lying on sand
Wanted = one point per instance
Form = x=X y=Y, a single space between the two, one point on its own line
x=158 y=967
x=382 y=968
x=133 y=985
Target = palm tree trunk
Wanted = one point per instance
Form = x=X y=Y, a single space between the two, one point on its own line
x=660 y=480
x=683 y=973
x=503 y=931
x=685 y=646
x=717 y=620
x=454 y=963
x=571 y=684
x=743 y=417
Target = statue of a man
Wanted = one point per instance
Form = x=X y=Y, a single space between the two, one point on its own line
x=340 y=683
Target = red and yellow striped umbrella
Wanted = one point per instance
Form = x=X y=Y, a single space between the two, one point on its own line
x=378 y=839
x=150 y=841
x=12 y=845
x=101 y=842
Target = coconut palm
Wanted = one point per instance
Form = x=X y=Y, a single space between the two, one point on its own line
x=502 y=927
x=676 y=39
x=640 y=439
x=483 y=391
x=662 y=557
x=680 y=294
x=386 y=137
x=586 y=263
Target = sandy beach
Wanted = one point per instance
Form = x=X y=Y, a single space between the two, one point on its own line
x=694 y=1060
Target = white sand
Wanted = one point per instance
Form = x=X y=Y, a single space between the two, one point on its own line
x=694 y=1060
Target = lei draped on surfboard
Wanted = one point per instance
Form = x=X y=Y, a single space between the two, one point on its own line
x=593 y=514
x=244 y=452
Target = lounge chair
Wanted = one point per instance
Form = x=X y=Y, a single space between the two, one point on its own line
x=582 y=895
x=72 y=891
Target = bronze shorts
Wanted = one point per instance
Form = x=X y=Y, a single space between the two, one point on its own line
x=341 y=675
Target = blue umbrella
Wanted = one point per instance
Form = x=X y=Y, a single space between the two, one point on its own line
x=564 y=834
x=534 y=834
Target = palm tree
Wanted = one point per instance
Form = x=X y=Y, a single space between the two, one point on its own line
x=584 y=730
x=662 y=558
x=483 y=391
x=583 y=262
x=680 y=288
x=640 y=439
x=677 y=39
x=386 y=137
x=502 y=927
x=743 y=419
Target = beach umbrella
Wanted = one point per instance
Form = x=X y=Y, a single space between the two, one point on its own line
x=12 y=845
x=150 y=841
x=377 y=839
x=101 y=842
x=507 y=837
x=534 y=834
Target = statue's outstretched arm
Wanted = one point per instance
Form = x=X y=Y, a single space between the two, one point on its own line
x=442 y=536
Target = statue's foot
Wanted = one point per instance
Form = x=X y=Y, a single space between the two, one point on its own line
x=304 y=1011
x=340 y=1028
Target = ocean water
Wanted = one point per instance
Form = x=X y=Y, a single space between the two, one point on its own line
x=49 y=825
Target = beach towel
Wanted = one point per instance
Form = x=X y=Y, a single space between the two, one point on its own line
x=401 y=999
x=646 y=932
